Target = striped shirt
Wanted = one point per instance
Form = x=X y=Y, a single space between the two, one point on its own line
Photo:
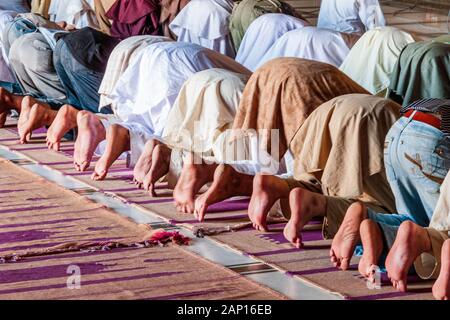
x=441 y=107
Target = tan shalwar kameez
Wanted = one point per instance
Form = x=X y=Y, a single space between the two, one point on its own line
x=205 y=107
x=101 y=7
x=283 y=93
x=339 y=150
x=41 y=7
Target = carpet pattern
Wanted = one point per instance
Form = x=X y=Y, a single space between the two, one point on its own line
x=310 y=263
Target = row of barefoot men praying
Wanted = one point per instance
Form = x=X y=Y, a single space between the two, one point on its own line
x=362 y=123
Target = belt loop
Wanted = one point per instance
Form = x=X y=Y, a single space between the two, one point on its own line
x=412 y=115
x=409 y=119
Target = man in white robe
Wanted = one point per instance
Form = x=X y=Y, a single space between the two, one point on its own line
x=206 y=23
x=311 y=43
x=350 y=16
x=76 y=13
x=146 y=92
x=262 y=34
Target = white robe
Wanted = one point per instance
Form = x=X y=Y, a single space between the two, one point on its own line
x=118 y=62
x=206 y=23
x=5 y=69
x=350 y=16
x=372 y=59
x=310 y=43
x=79 y=13
x=147 y=90
x=262 y=34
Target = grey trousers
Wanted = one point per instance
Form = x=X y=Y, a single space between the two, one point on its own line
x=31 y=58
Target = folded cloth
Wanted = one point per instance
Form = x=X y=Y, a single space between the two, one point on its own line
x=169 y=11
x=421 y=72
x=134 y=17
x=372 y=59
x=246 y=11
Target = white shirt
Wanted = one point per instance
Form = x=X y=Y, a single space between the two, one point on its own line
x=310 y=43
x=351 y=16
x=262 y=33
x=79 y=13
x=147 y=90
x=206 y=22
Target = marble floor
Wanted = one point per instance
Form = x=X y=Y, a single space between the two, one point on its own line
x=424 y=23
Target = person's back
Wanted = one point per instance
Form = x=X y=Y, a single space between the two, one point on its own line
x=350 y=16
x=206 y=23
x=19 y=6
x=310 y=43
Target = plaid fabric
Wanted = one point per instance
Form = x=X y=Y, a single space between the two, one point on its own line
x=438 y=106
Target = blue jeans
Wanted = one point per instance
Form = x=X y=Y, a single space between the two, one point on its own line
x=417 y=159
x=15 y=29
x=81 y=83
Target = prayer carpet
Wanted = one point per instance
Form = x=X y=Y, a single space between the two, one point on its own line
x=311 y=263
x=42 y=226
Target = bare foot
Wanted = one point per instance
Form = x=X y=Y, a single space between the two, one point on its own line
x=90 y=133
x=267 y=189
x=441 y=288
x=305 y=205
x=66 y=119
x=227 y=183
x=3 y=118
x=117 y=142
x=144 y=162
x=25 y=109
x=411 y=241
x=33 y=117
x=372 y=242
x=193 y=177
x=8 y=101
x=159 y=168
x=345 y=240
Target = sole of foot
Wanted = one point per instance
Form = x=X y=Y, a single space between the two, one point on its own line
x=345 y=240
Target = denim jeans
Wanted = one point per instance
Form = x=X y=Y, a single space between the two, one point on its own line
x=417 y=159
x=81 y=83
x=14 y=30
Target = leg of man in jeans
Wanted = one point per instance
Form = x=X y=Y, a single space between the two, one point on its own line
x=417 y=158
x=82 y=84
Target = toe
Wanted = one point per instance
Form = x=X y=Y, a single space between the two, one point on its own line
x=344 y=262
